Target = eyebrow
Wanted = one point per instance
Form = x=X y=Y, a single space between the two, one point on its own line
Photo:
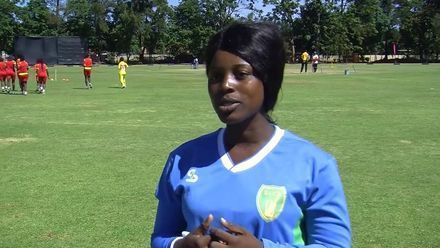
x=234 y=66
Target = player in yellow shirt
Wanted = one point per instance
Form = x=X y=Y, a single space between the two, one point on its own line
x=122 y=70
x=305 y=57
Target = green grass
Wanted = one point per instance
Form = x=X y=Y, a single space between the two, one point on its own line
x=79 y=167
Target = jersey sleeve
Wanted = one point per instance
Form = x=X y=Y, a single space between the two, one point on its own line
x=169 y=222
x=326 y=215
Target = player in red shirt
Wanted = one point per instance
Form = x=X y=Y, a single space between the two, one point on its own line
x=2 y=75
x=10 y=72
x=36 y=69
x=23 y=74
x=17 y=61
x=42 y=76
x=87 y=63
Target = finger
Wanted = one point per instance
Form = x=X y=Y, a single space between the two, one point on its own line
x=207 y=222
x=201 y=241
x=222 y=236
x=231 y=227
x=216 y=244
x=204 y=227
x=204 y=241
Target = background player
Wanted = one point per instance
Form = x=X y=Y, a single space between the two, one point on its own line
x=10 y=72
x=87 y=64
x=23 y=74
x=42 y=76
x=3 y=75
x=315 y=61
x=37 y=69
x=122 y=72
x=305 y=57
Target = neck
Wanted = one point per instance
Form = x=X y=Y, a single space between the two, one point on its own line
x=255 y=131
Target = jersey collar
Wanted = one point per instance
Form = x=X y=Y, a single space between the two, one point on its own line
x=253 y=160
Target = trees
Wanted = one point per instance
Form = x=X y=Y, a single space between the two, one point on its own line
x=337 y=27
x=123 y=27
x=283 y=13
x=187 y=30
x=194 y=21
x=436 y=34
x=77 y=18
x=418 y=25
x=8 y=23
x=153 y=18
x=36 y=19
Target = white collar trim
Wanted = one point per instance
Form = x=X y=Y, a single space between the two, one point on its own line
x=251 y=161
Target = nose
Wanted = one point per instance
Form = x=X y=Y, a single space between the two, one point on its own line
x=228 y=81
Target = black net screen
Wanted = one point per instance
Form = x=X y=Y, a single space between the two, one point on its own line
x=53 y=50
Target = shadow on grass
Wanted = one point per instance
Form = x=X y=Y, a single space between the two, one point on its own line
x=12 y=93
x=114 y=87
x=83 y=88
x=19 y=93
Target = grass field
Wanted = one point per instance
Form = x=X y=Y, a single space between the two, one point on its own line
x=78 y=168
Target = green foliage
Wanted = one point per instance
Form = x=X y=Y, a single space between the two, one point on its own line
x=185 y=31
x=123 y=27
x=436 y=33
x=194 y=22
x=36 y=19
x=99 y=10
x=340 y=27
x=7 y=23
x=78 y=18
x=283 y=13
x=336 y=35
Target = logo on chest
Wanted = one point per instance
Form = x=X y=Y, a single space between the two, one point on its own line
x=270 y=201
x=191 y=176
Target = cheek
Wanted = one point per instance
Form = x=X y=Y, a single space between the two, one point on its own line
x=211 y=91
x=259 y=95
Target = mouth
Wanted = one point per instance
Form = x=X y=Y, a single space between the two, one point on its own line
x=228 y=105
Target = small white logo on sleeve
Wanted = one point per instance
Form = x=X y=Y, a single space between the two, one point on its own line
x=191 y=176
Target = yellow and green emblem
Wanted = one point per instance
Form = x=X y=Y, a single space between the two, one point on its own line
x=270 y=201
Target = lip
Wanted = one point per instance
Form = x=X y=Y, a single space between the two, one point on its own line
x=228 y=106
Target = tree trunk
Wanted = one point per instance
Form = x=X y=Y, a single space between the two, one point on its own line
x=385 y=44
x=293 y=51
x=141 y=55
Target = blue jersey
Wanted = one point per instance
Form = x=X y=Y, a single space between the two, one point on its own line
x=288 y=194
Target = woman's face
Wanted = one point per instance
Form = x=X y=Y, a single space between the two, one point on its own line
x=236 y=94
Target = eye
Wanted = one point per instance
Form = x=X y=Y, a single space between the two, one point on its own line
x=215 y=77
x=241 y=75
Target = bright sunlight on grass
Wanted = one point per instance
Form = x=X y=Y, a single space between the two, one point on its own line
x=79 y=167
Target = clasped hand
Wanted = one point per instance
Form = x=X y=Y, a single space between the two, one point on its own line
x=232 y=237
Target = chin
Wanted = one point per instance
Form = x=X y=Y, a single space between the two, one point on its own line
x=231 y=120
x=228 y=119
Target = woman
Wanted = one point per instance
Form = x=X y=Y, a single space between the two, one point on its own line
x=3 y=76
x=254 y=184
x=42 y=75
x=10 y=72
x=23 y=74
x=122 y=71
x=87 y=64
